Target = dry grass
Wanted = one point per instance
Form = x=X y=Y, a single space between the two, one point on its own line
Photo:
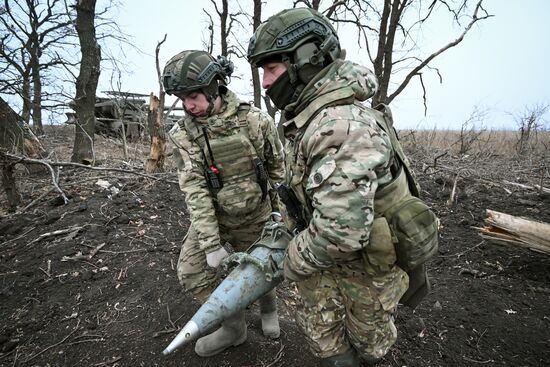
x=487 y=142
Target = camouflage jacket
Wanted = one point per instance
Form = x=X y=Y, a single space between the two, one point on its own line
x=209 y=210
x=336 y=157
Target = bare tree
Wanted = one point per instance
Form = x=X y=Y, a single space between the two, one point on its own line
x=529 y=123
x=35 y=32
x=227 y=21
x=472 y=130
x=155 y=162
x=389 y=31
x=86 y=83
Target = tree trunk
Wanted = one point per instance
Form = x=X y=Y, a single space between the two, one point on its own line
x=501 y=227
x=256 y=83
x=26 y=97
x=11 y=133
x=37 y=97
x=86 y=83
x=11 y=140
x=224 y=32
x=155 y=162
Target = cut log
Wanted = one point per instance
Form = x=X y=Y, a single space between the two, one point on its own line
x=506 y=228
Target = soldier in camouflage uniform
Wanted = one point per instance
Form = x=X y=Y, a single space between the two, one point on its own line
x=229 y=156
x=337 y=160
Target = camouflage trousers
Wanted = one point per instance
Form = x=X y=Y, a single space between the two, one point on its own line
x=194 y=273
x=342 y=308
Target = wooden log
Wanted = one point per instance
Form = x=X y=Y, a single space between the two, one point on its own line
x=506 y=228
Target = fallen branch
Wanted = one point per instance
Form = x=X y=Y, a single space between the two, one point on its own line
x=505 y=228
x=527 y=187
x=48 y=164
x=71 y=230
x=21 y=159
x=38 y=199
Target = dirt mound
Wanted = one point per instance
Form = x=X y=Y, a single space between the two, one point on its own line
x=93 y=282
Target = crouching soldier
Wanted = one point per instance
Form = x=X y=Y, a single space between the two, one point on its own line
x=229 y=157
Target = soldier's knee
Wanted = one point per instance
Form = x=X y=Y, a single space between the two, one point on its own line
x=198 y=286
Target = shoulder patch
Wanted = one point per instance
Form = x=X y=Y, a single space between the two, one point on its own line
x=321 y=172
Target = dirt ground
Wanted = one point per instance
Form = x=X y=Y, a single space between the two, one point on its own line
x=93 y=282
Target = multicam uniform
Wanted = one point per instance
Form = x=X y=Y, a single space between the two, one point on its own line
x=239 y=137
x=337 y=157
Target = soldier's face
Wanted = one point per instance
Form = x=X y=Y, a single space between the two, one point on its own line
x=194 y=102
x=272 y=71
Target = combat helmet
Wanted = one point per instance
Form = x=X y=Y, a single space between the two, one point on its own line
x=195 y=70
x=303 y=39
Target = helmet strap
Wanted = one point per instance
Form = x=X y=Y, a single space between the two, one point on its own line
x=211 y=99
x=211 y=92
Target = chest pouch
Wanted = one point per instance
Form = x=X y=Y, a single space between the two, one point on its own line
x=239 y=168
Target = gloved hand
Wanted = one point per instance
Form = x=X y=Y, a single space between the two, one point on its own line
x=214 y=258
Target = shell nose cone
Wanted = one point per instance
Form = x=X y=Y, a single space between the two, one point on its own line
x=189 y=332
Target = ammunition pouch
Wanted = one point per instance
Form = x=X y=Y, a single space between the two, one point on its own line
x=414 y=232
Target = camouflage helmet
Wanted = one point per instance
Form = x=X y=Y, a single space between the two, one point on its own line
x=196 y=70
x=285 y=32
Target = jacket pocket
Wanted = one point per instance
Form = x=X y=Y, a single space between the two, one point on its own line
x=240 y=198
x=380 y=252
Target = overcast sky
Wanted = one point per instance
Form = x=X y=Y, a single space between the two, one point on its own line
x=499 y=67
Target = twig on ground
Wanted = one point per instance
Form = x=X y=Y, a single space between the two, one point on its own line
x=465 y=251
x=439 y=156
x=56 y=233
x=169 y=330
x=96 y=250
x=480 y=362
x=103 y=364
x=473 y=272
x=453 y=192
x=48 y=272
x=53 y=345
x=17 y=238
x=278 y=356
x=35 y=201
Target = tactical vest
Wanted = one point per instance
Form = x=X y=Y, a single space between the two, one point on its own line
x=404 y=230
x=233 y=165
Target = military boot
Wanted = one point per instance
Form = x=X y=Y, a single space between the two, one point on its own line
x=230 y=334
x=347 y=359
x=268 y=312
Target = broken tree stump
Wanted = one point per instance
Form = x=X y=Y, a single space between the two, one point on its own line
x=506 y=228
